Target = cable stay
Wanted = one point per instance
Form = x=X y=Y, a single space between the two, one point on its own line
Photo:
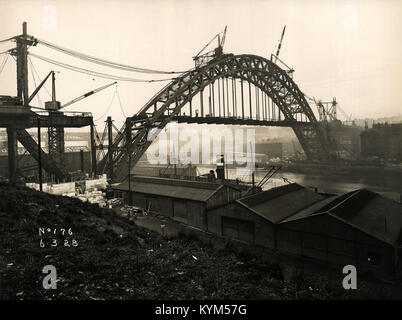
x=103 y=62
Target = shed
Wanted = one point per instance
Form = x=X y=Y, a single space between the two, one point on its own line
x=361 y=228
x=186 y=201
x=253 y=218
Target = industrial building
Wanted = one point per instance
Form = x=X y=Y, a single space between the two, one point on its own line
x=188 y=172
x=361 y=228
x=186 y=201
x=253 y=218
x=345 y=137
x=382 y=140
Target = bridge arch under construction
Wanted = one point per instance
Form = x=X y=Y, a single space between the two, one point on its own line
x=270 y=81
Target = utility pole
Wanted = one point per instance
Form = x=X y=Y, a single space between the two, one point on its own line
x=253 y=165
x=22 y=65
x=110 y=145
x=93 y=150
x=21 y=53
x=82 y=161
x=39 y=157
x=128 y=144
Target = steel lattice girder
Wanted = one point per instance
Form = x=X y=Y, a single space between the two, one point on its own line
x=260 y=72
x=56 y=144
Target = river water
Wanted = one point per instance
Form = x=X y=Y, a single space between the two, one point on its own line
x=388 y=184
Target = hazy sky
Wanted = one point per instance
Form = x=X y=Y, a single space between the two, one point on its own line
x=348 y=49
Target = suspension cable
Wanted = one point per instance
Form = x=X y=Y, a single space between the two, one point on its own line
x=95 y=73
x=103 y=61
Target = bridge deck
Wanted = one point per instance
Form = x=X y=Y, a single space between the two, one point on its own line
x=239 y=121
x=22 y=117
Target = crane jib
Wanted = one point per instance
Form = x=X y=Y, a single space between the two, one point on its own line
x=88 y=94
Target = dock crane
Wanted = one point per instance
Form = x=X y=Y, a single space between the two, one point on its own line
x=270 y=173
x=202 y=58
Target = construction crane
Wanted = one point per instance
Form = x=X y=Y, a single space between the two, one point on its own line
x=202 y=58
x=87 y=95
x=327 y=110
x=275 y=57
x=55 y=132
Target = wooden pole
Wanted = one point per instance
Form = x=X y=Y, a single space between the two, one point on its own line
x=39 y=157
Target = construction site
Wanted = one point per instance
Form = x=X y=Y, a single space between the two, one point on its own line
x=120 y=197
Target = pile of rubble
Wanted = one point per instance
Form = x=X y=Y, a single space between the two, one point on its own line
x=94 y=196
x=114 y=203
x=132 y=211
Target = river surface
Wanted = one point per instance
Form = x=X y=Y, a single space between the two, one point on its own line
x=386 y=183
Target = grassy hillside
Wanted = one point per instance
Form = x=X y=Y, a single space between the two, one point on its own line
x=115 y=259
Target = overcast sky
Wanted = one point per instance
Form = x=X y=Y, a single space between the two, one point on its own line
x=348 y=49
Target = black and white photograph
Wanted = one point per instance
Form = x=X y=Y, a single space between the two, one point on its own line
x=192 y=153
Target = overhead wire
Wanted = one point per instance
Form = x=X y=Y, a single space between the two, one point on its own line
x=120 y=104
x=103 y=62
x=108 y=108
x=34 y=80
x=3 y=63
x=95 y=73
x=5 y=40
x=33 y=67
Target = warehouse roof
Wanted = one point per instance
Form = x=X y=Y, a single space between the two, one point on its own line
x=282 y=202
x=363 y=209
x=174 y=188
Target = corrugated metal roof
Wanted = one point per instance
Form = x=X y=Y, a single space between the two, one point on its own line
x=190 y=190
x=314 y=209
x=280 y=203
x=362 y=209
x=371 y=213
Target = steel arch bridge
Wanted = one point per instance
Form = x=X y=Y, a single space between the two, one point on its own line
x=275 y=100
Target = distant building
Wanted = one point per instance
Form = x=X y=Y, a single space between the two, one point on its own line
x=179 y=172
x=383 y=140
x=346 y=138
x=271 y=149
